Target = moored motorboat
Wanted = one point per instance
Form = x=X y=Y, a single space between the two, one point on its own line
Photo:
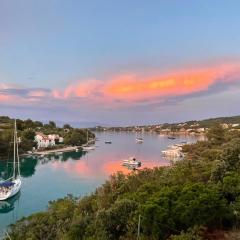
x=139 y=140
x=132 y=161
x=174 y=151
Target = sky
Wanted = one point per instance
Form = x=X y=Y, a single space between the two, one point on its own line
x=119 y=62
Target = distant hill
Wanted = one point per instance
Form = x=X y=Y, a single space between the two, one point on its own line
x=81 y=124
x=211 y=121
x=85 y=124
x=206 y=123
x=6 y=122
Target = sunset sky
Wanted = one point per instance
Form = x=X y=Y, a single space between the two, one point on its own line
x=119 y=62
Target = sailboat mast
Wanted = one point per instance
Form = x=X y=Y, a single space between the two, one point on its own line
x=18 y=161
x=87 y=136
x=14 y=150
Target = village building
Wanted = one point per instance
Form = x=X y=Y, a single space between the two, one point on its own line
x=224 y=125
x=200 y=130
x=43 y=141
x=56 y=138
x=194 y=125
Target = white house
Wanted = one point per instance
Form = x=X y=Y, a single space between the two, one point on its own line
x=55 y=137
x=44 y=141
x=224 y=125
x=200 y=130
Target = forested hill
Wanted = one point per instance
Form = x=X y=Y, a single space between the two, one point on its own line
x=27 y=130
x=212 y=121
x=196 y=198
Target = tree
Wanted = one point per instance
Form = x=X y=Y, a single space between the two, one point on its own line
x=114 y=221
x=231 y=154
x=28 y=135
x=216 y=134
x=75 y=137
x=52 y=124
x=67 y=126
x=231 y=187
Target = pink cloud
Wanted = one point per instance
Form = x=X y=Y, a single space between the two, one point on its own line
x=37 y=93
x=4 y=98
x=134 y=87
x=79 y=89
x=128 y=89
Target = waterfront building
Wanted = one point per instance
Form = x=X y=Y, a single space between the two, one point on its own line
x=44 y=141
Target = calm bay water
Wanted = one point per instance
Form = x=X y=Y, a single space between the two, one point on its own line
x=54 y=176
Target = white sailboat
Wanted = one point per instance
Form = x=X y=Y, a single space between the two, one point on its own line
x=139 y=139
x=87 y=147
x=11 y=186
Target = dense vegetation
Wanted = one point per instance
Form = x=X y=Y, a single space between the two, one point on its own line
x=185 y=201
x=27 y=130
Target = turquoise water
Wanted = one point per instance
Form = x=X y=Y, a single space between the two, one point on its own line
x=54 y=176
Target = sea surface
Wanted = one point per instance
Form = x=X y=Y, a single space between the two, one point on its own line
x=79 y=173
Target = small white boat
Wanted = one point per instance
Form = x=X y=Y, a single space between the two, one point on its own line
x=11 y=186
x=88 y=148
x=139 y=140
x=132 y=161
x=173 y=151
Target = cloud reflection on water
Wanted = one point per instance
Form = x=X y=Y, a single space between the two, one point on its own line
x=94 y=168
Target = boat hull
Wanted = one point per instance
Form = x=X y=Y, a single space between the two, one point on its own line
x=131 y=163
x=139 y=140
x=13 y=191
x=88 y=148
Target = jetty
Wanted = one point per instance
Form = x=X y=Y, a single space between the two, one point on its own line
x=174 y=151
x=65 y=149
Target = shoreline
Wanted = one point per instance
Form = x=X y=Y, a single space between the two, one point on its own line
x=65 y=149
x=164 y=133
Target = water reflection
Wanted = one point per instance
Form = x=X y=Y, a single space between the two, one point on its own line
x=9 y=204
x=62 y=157
x=28 y=164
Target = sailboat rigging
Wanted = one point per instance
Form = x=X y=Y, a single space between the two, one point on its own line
x=87 y=147
x=139 y=139
x=11 y=186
